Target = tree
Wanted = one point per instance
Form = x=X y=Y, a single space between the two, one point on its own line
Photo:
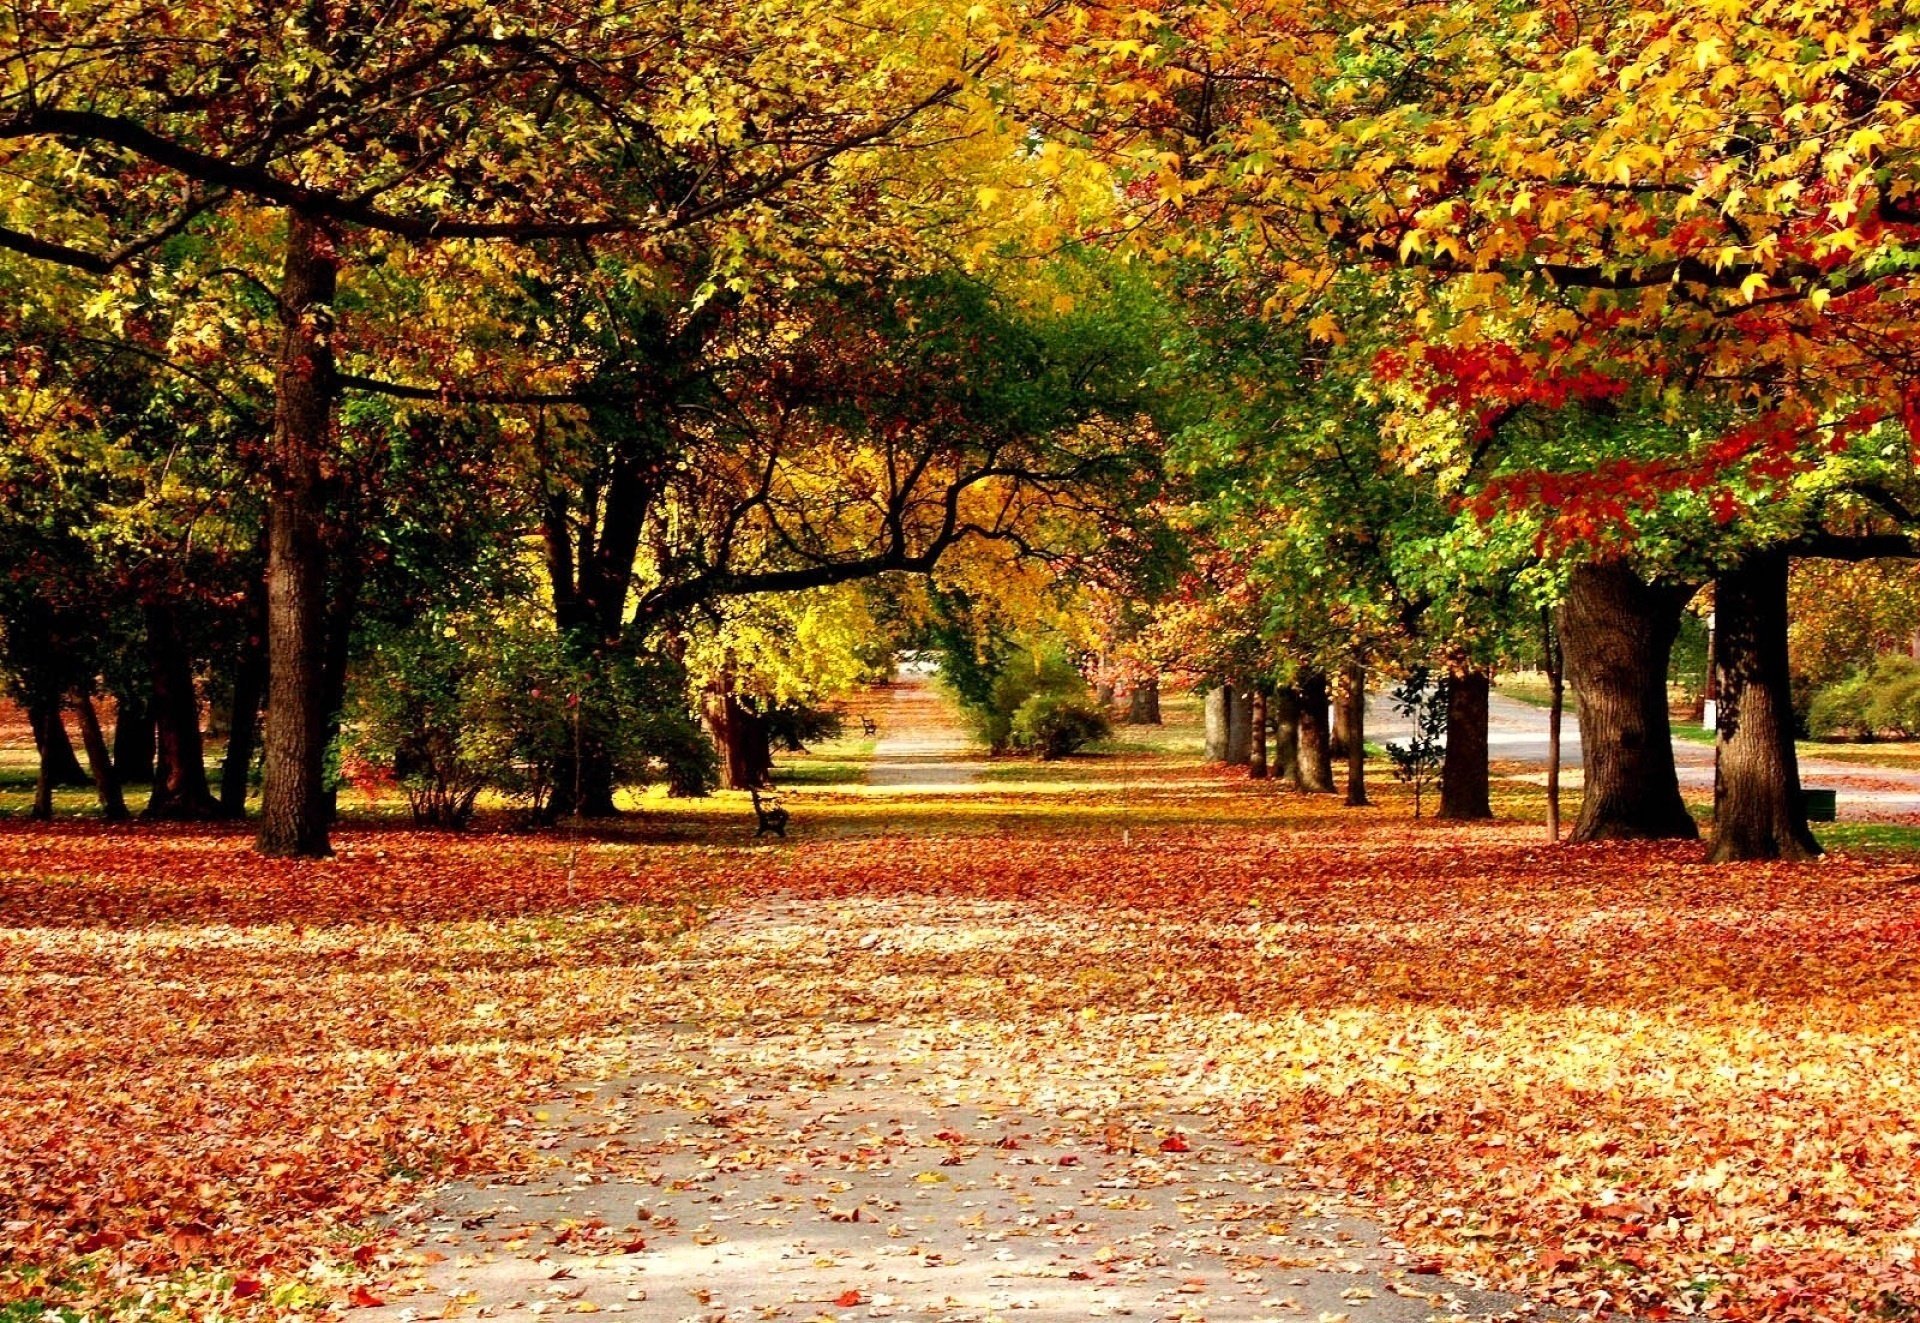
x=414 y=129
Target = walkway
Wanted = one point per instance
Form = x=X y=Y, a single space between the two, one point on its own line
x=787 y=1148
x=920 y=745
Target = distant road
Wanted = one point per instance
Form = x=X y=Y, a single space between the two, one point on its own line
x=1517 y=733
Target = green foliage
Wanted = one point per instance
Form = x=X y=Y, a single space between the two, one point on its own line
x=1884 y=700
x=1053 y=723
x=457 y=704
x=1037 y=701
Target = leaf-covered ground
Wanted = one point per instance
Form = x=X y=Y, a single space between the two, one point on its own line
x=1609 y=1077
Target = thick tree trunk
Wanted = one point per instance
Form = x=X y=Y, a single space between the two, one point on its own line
x=106 y=782
x=243 y=726
x=1618 y=633
x=1757 y=808
x=1285 y=709
x=293 y=806
x=1313 y=769
x=1143 y=702
x=1257 y=755
x=1219 y=718
x=1463 y=773
x=1354 y=704
x=133 y=744
x=746 y=756
x=1337 y=737
x=180 y=790
x=54 y=746
x=1239 y=727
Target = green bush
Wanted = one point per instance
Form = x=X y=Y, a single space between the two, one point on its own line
x=1037 y=702
x=1053 y=723
x=1884 y=700
x=458 y=704
x=1840 y=710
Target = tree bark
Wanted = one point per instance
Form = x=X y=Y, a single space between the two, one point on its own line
x=243 y=723
x=1463 y=772
x=53 y=745
x=180 y=790
x=746 y=756
x=133 y=739
x=1355 y=706
x=1313 y=768
x=1143 y=702
x=1239 y=727
x=1285 y=709
x=293 y=807
x=1257 y=754
x=1618 y=631
x=1218 y=713
x=1337 y=737
x=106 y=782
x=1556 y=708
x=1757 y=809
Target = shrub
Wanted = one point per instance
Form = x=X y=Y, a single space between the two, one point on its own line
x=1884 y=700
x=1892 y=704
x=1037 y=702
x=1840 y=709
x=459 y=704
x=1053 y=723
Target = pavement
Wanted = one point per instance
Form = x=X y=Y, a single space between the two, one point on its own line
x=841 y=1171
x=781 y=1147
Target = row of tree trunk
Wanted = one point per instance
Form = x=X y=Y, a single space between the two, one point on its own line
x=157 y=737
x=1311 y=726
x=1617 y=630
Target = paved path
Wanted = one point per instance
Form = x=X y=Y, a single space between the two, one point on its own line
x=920 y=745
x=1517 y=733
x=787 y=1146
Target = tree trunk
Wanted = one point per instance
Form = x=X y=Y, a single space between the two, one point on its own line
x=106 y=782
x=1337 y=738
x=1463 y=773
x=180 y=790
x=1757 y=809
x=1219 y=709
x=1355 y=706
x=1143 y=702
x=1285 y=709
x=336 y=653
x=1313 y=768
x=54 y=746
x=243 y=726
x=133 y=739
x=1618 y=632
x=1556 y=708
x=1239 y=727
x=1257 y=755
x=746 y=756
x=293 y=806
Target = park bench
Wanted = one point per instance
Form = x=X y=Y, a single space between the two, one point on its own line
x=867 y=726
x=771 y=814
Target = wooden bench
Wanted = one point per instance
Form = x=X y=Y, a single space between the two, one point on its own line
x=772 y=815
x=867 y=726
